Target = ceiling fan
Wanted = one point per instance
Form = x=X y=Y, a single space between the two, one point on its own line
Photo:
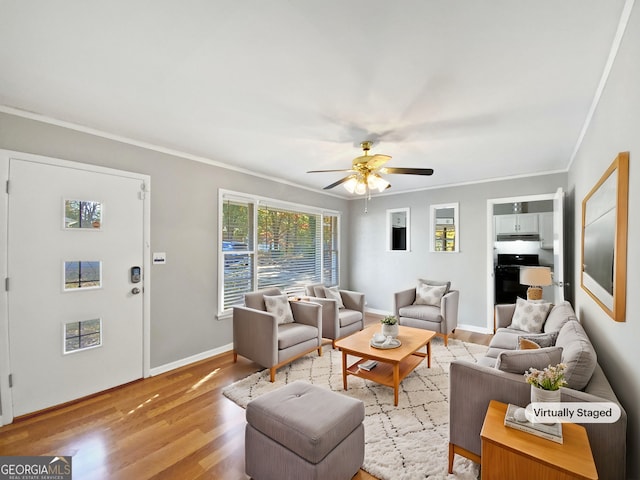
x=367 y=170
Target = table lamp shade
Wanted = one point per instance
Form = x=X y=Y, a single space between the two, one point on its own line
x=535 y=277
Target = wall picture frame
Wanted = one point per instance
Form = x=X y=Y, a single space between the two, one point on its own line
x=604 y=239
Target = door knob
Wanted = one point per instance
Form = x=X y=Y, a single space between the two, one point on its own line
x=135 y=290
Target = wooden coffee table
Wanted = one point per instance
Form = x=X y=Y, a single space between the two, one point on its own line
x=394 y=364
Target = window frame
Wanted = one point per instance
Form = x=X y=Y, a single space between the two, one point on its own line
x=259 y=202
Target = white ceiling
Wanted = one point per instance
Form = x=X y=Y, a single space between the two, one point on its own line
x=474 y=89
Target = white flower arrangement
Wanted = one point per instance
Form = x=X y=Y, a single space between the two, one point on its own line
x=551 y=378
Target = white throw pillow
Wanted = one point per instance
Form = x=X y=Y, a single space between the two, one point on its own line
x=430 y=294
x=333 y=293
x=278 y=305
x=529 y=316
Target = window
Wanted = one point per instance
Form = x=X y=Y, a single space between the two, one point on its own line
x=79 y=214
x=82 y=335
x=265 y=243
x=445 y=228
x=398 y=230
x=82 y=275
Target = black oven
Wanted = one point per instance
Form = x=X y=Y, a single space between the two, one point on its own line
x=507 y=276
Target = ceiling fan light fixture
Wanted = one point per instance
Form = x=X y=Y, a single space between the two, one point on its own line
x=350 y=185
x=376 y=182
x=361 y=187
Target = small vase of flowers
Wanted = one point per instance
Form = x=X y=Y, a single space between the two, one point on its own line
x=389 y=326
x=545 y=384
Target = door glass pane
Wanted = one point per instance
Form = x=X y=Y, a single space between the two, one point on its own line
x=82 y=214
x=82 y=335
x=82 y=274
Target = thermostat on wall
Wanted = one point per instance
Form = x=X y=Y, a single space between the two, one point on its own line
x=159 y=258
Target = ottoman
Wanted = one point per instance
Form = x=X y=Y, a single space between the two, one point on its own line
x=301 y=431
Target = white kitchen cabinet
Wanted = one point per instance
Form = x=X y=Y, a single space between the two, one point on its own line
x=517 y=223
x=545 y=221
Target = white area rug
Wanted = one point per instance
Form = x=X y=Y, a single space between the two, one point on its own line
x=406 y=442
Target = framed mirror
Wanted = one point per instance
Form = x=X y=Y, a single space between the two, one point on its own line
x=604 y=239
x=445 y=228
x=398 y=229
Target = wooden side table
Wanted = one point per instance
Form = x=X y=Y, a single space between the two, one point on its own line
x=508 y=453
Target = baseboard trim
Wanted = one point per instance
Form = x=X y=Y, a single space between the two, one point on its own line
x=474 y=328
x=377 y=312
x=192 y=359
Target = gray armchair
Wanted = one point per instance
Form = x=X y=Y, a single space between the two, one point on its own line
x=443 y=319
x=258 y=336
x=338 y=322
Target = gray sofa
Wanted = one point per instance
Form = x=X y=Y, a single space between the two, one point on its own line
x=499 y=376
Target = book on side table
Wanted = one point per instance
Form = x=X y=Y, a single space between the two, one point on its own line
x=550 y=431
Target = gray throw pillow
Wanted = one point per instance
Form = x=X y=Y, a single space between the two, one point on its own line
x=529 y=316
x=333 y=293
x=520 y=361
x=430 y=294
x=543 y=339
x=436 y=283
x=278 y=305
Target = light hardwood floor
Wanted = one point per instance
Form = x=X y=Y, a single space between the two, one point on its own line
x=177 y=425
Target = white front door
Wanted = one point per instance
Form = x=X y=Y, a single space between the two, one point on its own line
x=75 y=310
x=558 y=246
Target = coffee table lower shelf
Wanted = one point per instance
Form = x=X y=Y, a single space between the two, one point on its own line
x=383 y=372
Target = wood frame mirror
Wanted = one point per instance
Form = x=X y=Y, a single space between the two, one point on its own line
x=603 y=273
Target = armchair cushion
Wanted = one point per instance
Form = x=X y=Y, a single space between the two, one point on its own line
x=349 y=317
x=333 y=293
x=519 y=361
x=278 y=305
x=430 y=294
x=291 y=334
x=529 y=316
x=422 y=312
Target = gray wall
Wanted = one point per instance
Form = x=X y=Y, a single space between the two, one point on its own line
x=184 y=223
x=615 y=128
x=380 y=273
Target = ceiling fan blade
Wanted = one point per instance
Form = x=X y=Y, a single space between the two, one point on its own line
x=323 y=171
x=339 y=182
x=408 y=171
x=377 y=160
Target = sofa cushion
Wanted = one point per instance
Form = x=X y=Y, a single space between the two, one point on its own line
x=529 y=316
x=519 y=361
x=430 y=294
x=558 y=316
x=333 y=293
x=279 y=306
x=421 y=312
x=578 y=355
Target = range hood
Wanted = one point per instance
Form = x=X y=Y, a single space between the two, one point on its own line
x=511 y=237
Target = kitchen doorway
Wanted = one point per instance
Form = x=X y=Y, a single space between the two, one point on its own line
x=525 y=225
